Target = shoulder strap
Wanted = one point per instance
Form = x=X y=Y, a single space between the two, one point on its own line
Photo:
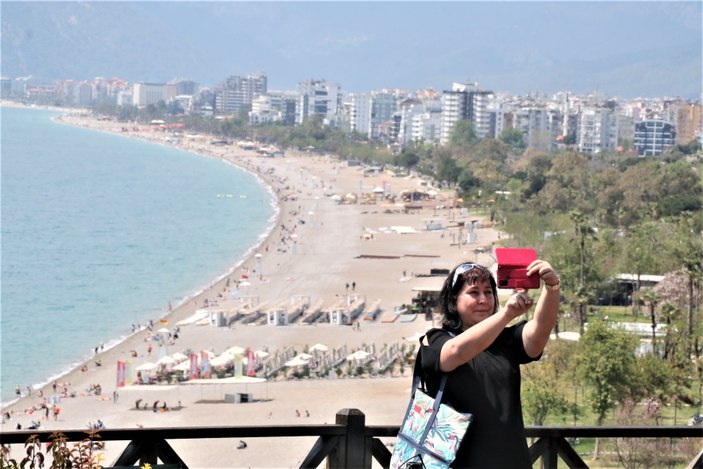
x=419 y=375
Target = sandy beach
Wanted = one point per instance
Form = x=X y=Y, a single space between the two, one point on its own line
x=320 y=251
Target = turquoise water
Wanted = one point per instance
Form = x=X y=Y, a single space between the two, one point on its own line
x=100 y=231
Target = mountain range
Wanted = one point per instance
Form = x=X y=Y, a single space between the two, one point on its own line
x=627 y=49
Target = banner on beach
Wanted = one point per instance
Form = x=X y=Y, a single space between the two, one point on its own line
x=251 y=362
x=204 y=365
x=193 y=366
x=121 y=373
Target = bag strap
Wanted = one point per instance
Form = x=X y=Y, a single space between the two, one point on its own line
x=419 y=375
x=419 y=379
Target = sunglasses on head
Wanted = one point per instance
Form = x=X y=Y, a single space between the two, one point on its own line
x=465 y=268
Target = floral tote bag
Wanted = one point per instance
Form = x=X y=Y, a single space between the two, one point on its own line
x=431 y=431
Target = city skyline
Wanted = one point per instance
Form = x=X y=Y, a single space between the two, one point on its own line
x=625 y=49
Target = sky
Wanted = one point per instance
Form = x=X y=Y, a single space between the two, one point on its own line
x=628 y=49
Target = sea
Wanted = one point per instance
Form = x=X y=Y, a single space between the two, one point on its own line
x=101 y=232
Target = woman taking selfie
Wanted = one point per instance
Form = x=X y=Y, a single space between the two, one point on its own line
x=482 y=354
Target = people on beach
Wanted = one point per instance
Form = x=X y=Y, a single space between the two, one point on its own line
x=482 y=355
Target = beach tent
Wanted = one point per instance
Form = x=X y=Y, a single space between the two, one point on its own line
x=222 y=360
x=182 y=366
x=148 y=366
x=167 y=360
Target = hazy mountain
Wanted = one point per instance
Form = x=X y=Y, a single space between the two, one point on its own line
x=617 y=48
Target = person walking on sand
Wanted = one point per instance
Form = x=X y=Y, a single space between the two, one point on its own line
x=481 y=351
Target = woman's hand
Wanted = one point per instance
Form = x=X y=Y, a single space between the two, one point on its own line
x=518 y=304
x=544 y=270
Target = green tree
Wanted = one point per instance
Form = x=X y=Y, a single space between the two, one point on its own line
x=448 y=170
x=514 y=139
x=407 y=158
x=463 y=134
x=606 y=361
x=541 y=398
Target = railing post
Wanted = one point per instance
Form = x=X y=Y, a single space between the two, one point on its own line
x=353 y=450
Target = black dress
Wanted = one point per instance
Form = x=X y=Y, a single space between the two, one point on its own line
x=488 y=386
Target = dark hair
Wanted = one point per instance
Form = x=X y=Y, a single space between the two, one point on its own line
x=450 y=291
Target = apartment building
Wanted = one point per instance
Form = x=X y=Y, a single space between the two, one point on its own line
x=144 y=94
x=358 y=111
x=426 y=127
x=593 y=130
x=238 y=92
x=689 y=122
x=540 y=126
x=319 y=97
x=653 y=137
x=465 y=101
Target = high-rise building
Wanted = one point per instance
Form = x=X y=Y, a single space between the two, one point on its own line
x=359 y=113
x=238 y=92
x=689 y=122
x=465 y=101
x=653 y=137
x=321 y=98
x=144 y=94
x=539 y=126
x=593 y=130
x=368 y=111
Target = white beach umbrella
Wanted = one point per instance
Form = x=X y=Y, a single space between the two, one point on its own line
x=183 y=366
x=221 y=360
x=235 y=350
x=167 y=360
x=304 y=356
x=319 y=348
x=179 y=357
x=297 y=361
x=261 y=354
x=148 y=366
x=358 y=355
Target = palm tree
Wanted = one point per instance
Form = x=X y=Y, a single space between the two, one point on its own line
x=651 y=298
x=583 y=232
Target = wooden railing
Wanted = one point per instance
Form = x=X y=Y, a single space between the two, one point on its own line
x=349 y=443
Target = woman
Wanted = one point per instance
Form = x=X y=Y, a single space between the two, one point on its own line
x=482 y=355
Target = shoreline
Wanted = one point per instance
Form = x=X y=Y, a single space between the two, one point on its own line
x=336 y=244
x=197 y=293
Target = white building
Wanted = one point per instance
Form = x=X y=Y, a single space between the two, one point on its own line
x=319 y=97
x=238 y=92
x=593 y=132
x=466 y=101
x=144 y=94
